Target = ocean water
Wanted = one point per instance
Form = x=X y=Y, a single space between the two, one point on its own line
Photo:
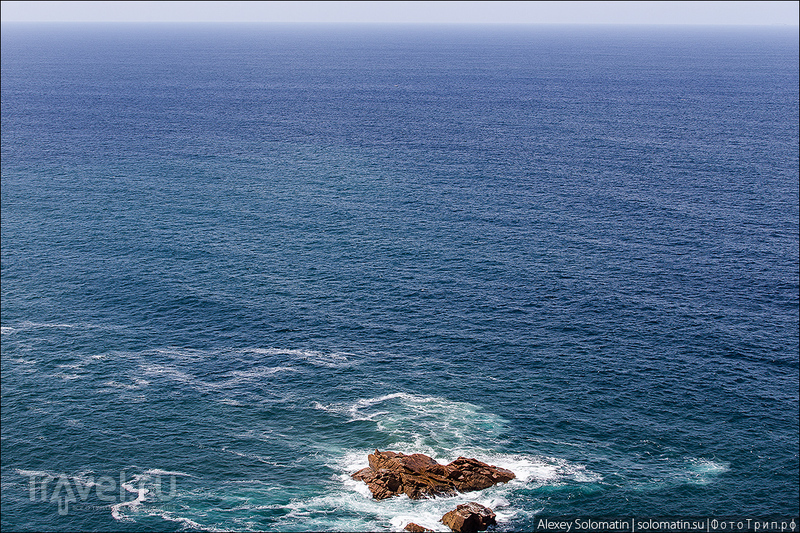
x=236 y=260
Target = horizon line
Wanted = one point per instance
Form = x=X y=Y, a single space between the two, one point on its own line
x=402 y=23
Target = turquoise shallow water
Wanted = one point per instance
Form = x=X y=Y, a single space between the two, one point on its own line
x=236 y=261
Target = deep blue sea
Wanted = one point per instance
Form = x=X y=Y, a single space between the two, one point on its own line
x=238 y=259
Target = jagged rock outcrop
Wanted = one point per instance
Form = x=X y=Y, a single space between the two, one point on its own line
x=469 y=518
x=419 y=476
x=416 y=528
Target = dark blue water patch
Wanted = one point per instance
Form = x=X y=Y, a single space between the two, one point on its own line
x=247 y=259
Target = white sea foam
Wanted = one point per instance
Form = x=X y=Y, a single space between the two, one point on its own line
x=704 y=471
x=253 y=456
x=704 y=466
x=29 y=365
x=69 y=371
x=137 y=384
x=187 y=523
x=176 y=365
x=148 y=490
x=171 y=372
x=533 y=470
x=236 y=378
x=671 y=472
x=85 y=479
x=141 y=493
x=66 y=377
x=182 y=353
x=231 y=401
x=444 y=430
x=230 y=381
x=257 y=373
x=159 y=472
x=314 y=357
x=331 y=360
x=36 y=473
x=427 y=424
x=28 y=325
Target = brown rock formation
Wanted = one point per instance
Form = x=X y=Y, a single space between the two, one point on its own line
x=419 y=476
x=416 y=528
x=469 y=518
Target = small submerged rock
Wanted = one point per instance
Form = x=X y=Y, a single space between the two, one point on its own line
x=469 y=518
x=419 y=476
x=416 y=528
